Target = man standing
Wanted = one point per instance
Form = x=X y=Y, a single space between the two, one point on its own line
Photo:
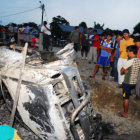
x=91 y=36
x=46 y=36
x=27 y=31
x=95 y=47
x=116 y=54
x=104 y=58
x=74 y=38
x=130 y=69
x=137 y=43
x=84 y=43
x=123 y=54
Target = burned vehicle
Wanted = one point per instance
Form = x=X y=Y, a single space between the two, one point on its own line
x=53 y=102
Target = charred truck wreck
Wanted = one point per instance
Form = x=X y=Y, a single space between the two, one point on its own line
x=54 y=102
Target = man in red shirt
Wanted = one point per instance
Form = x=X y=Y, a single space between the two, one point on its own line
x=95 y=47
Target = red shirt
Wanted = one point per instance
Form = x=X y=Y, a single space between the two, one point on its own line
x=138 y=54
x=97 y=43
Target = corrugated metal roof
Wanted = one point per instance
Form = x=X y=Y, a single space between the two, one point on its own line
x=67 y=28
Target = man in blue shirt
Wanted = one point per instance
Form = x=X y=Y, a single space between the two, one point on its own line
x=104 y=58
x=27 y=30
x=116 y=54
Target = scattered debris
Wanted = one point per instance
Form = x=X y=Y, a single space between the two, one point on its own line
x=51 y=92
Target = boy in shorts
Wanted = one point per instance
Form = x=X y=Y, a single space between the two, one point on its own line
x=130 y=69
x=105 y=55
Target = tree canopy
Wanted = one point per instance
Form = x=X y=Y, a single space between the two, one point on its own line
x=83 y=24
x=98 y=26
x=55 y=29
x=137 y=28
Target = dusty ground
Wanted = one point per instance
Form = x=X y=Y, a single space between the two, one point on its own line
x=107 y=101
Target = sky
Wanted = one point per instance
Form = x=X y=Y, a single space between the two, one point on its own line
x=114 y=14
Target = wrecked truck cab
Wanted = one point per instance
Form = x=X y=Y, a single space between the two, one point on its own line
x=53 y=101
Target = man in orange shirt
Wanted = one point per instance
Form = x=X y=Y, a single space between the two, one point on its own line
x=123 y=56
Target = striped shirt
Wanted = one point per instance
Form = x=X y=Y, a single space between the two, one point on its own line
x=133 y=67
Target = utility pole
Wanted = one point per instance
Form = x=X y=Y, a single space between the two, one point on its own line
x=41 y=34
x=42 y=8
x=42 y=13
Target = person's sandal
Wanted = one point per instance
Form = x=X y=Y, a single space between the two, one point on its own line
x=91 y=76
x=120 y=114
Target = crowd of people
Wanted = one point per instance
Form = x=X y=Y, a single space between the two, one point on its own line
x=118 y=53
x=27 y=33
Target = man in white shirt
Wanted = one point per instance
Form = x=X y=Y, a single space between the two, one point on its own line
x=46 y=36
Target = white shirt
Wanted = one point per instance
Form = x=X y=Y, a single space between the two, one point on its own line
x=21 y=29
x=10 y=28
x=45 y=30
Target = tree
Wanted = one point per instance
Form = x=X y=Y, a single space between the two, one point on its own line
x=137 y=29
x=11 y=23
x=60 y=20
x=83 y=24
x=31 y=24
x=55 y=29
x=98 y=26
x=107 y=30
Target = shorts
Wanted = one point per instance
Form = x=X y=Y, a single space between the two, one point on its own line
x=127 y=90
x=85 y=48
x=104 y=61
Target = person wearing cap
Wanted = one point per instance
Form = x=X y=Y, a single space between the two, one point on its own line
x=123 y=56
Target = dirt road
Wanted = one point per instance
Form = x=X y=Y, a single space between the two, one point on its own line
x=107 y=101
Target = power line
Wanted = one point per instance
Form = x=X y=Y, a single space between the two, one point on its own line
x=25 y=11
